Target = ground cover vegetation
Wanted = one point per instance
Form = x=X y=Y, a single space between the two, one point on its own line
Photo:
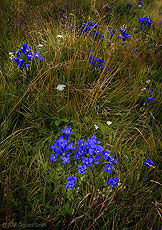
x=80 y=122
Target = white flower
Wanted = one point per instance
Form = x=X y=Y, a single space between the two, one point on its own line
x=40 y=45
x=59 y=36
x=61 y=87
x=108 y=122
x=143 y=88
x=96 y=126
x=148 y=81
x=11 y=56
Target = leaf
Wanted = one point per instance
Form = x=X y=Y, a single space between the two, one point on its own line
x=65 y=120
x=57 y=122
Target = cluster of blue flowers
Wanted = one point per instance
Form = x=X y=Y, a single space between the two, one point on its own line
x=88 y=152
x=139 y=2
x=97 y=62
x=123 y=34
x=71 y=182
x=148 y=162
x=23 y=57
x=149 y=99
x=112 y=33
x=145 y=21
x=88 y=28
x=62 y=147
x=129 y=5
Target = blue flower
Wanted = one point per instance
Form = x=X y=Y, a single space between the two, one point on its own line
x=82 y=169
x=70 y=185
x=97 y=62
x=109 y=157
x=96 y=159
x=67 y=132
x=112 y=34
x=87 y=161
x=54 y=157
x=139 y=2
x=143 y=102
x=65 y=160
x=77 y=156
x=24 y=49
x=70 y=147
x=113 y=182
x=148 y=162
x=129 y=5
x=102 y=37
x=108 y=168
x=26 y=55
x=123 y=34
x=72 y=179
x=71 y=182
x=37 y=56
x=145 y=21
x=150 y=99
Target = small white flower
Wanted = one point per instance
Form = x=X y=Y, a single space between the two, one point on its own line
x=148 y=81
x=96 y=126
x=61 y=87
x=59 y=36
x=40 y=45
x=11 y=56
x=108 y=122
x=143 y=88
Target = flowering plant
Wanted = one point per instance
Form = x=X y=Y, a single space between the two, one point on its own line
x=24 y=56
x=88 y=154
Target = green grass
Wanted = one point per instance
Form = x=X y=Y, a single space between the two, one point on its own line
x=33 y=112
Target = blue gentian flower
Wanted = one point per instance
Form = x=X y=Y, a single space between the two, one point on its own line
x=109 y=157
x=66 y=160
x=70 y=185
x=96 y=159
x=124 y=34
x=145 y=21
x=87 y=161
x=129 y=5
x=72 y=179
x=143 y=102
x=71 y=182
x=150 y=99
x=108 y=168
x=24 y=54
x=54 y=157
x=112 y=34
x=148 y=162
x=102 y=37
x=70 y=147
x=139 y=2
x=97 y=62
x=82 y=169
x=113 y=182
x=67 y=132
